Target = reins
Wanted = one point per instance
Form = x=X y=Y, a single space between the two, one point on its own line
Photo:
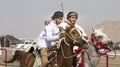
x=74 y=40
x=67 y=57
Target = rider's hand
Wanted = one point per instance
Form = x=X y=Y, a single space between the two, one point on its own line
x=62 y=34
x=46 y=22
x=86 y=37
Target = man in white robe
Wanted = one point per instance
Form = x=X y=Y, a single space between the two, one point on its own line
x=49 y=36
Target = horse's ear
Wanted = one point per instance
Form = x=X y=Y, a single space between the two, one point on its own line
x=93 y=29
x=67 y=28
x=102 y=28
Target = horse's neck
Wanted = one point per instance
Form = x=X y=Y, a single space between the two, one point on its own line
x=67 y=39
x=67 y=49
x=93 y=50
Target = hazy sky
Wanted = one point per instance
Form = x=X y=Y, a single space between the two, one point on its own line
x=24 y=18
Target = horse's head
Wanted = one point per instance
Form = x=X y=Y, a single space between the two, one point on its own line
x=101 y=39
x=74 y=36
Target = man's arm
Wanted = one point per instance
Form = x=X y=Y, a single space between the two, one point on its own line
x=49 y=34
x=63 y=25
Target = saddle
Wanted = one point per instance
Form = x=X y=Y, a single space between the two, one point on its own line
x=52 y=51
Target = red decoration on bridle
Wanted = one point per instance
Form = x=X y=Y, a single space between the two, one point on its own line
x=99 y=44
x=96 y=41
x=76 y=51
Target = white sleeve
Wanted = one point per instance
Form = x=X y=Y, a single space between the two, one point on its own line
x=49 y=33
x=81 y=29
x=63 y=25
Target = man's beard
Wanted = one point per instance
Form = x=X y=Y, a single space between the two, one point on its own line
x=73 y=22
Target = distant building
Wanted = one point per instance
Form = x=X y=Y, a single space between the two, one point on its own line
x=8 y=40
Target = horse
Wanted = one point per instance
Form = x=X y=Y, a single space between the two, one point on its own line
x=63 y=57
x=26 y=59
x=99 y=40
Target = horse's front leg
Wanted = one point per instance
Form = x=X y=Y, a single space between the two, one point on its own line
x=94 y=61
x=68 y=62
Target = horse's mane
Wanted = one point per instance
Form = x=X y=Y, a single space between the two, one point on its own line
x=19 y=55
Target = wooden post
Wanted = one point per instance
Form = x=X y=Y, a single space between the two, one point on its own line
x=106 y=60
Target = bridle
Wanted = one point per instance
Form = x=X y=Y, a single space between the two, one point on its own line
x=74 y=39
x=98 y=43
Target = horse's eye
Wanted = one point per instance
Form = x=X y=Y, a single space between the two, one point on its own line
x=73 y=32
x=100 y=37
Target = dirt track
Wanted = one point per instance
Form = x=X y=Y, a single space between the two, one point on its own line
x=112 y=63
x=9 y=55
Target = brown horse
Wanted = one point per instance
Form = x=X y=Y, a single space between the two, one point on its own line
x=64 y=56
x=26 y=59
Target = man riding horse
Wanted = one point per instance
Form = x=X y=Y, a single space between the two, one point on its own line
x=71 y=20
x=49 y=35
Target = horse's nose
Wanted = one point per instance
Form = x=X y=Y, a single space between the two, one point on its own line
x=110 y=42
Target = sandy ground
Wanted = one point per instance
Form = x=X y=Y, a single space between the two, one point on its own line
x=9 y=55
x=102 y=63
x=111 y=62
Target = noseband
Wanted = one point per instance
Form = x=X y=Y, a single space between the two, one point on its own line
x=72 y=37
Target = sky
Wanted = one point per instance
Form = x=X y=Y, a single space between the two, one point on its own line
x=25 y=18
